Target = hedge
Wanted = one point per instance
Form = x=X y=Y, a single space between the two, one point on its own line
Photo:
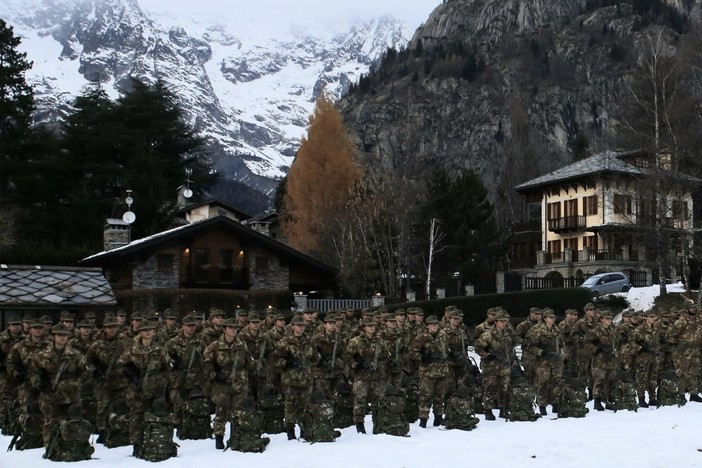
x=517 y=304
x=185 y=300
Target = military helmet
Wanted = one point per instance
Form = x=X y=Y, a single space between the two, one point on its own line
x=462 y=392
x=159 y=406
x=189 y=320
x=548 y=313
x=253 y=317
x=400 y=312
x=297 y=320
x=330 y=317
x=84 y=324
x=146 y=325
x=14 y=320
x=606 y=314
x=431 y=319
x=248 y=404
x=60 y=329
x=230 y=322
x=74 y=411
x=216 y=312
x=318 y=396
x=391 y=390
x=368 y=322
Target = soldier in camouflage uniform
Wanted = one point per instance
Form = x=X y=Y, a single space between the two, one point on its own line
x=645 y=373
x=397 y=346
x=431 y=350
x=625 y=332
x=583 y=353
x=8 y=338
x=686 y=337
x=274 y=335
x=330 y=347
x=487 y=324
x=496 y=349
x=520 y=334
x=457 y=340
x=260 y=349
x=213 y=329
x=571 y=343
x=269 y=321
x=110 y=383
x=602 y=344
x=227 y=362
x=546 y=344
x=664 y=360
x=56 y=373
x=170 y=328
x=186 y=352
x=145 y=364
x=367 y=356
x=18 y=363
x=296 y=356
x=132 y=330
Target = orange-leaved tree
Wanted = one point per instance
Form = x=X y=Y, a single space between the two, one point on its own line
x=320 y=179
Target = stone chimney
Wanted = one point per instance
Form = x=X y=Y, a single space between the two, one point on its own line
x=115 y=234
x=262 y=227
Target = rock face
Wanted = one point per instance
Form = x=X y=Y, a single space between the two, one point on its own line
x=248 y=95
x=504 y=88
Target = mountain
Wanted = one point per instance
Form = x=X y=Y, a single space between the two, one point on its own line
x=507 y=88
x=246 y=90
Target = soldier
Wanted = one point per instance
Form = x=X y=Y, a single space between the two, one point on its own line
x=496 y=350
x=431 y=350
x=366 y=355
x=241 y=316
x=397 y=346
x=269 y=322
x=83 y=339
x=274 y=335
x=68 y=320
x=132 y=330
x=546 y=344
x=330 y=347
x=583 y=353
x=170 y=327
x=260 y=349
x=56 y=373
x=295 y=357
x=627 y=348
x=227 y=362
x=686 y=337
x=213 y=330
x=664 y=360
x=602 y=344
x=520 y=333
x=8 y=338
x=457 y=340
x=645 y=372
x=144 y=364
x=110 y=383
x=121 y=318
x=487 y=324
x=570 y=346
x=186 y=352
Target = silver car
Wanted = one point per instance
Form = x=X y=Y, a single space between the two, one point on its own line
x=607 y=283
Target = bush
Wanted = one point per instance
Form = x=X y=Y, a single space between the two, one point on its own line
x=517 y=304
x=671 y=301
x=186 y=300
x=613 y=302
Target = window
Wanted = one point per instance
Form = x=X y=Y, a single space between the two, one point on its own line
x=201 y=257
x=554 y=246
x=554 y=210
x=590 y=205
x=680 y=210
x=590 y=242
x=261 y=265
x=164 y=263
x=225 y=258
x=571 y=208
x=622 y=204
x=571 y=243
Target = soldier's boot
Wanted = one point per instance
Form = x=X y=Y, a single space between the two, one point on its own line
x=598 y=404
x=291 y=432
x=695 y=397
x=610 y=406
x=360 y=428
x=554 y=408
x=136 y=451
x=438 y=420
x=642 y=402
x=219 y=441
x=653 y=402
x=100 y=438
x=502 y=414
x=542 y=410
x=423 y=422
x=488 y=415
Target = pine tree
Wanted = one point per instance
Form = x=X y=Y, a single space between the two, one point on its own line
x=320 y=179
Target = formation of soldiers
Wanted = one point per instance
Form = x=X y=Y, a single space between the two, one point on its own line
x=237 y=366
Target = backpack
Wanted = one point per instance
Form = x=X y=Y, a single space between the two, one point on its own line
x=624 y=396
x=411 y=395
x=318 y=425
x=157 y=442
x=70 y=441
x=669 y=392
x=391 y=417
x=247 y=427
x=31 y=432
x=459 y=414
x=117 y=432
x=520 y=406
x=272 y=409
x=572 y=403
x=195 y=420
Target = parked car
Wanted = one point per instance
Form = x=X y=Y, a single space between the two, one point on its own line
x=607 y=283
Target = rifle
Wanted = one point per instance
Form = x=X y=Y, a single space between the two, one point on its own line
x=235 y=364
x=62 y=367
x=192 y=358
x=375 y=358
x=109 y=366
x=13 y=442
x=336 y=344
x=262 y=350
x=558 y=348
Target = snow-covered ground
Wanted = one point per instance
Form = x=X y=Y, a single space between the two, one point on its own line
x=664 y=437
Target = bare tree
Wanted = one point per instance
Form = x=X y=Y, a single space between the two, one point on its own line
x=435 y=238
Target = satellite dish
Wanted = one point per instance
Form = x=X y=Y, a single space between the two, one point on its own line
x=187 y=193
x=129 y=217
x=129 y=200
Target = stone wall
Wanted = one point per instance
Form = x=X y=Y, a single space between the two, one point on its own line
x=145 y=275
x=274 y=275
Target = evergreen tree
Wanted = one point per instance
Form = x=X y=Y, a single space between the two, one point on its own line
x=319 y=180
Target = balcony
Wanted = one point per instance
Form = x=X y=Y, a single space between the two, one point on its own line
x=217 y=277
x=566 y=223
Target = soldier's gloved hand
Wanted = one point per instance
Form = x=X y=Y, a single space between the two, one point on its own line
x=647 y=349
x=607 y=349
x=177 y=365
x=491 y=357
x=221 y=377
x=548 y=354
x=360 y=365
x=425 y=356
x=131 y=373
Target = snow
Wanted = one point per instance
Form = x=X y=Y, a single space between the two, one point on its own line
x=650 y=438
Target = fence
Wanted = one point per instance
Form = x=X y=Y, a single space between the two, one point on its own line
x=537 y=282
x=638 y=279
x=325 y=305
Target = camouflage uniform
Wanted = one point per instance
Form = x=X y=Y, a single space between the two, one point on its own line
x=247 y=427
x=260 y=349
x=391 y=414
x=367 y=356
x=686 y=336
x=583 y=354
x=330 y=347
x=570 y=346
x=496 y=348
x=645 y=369
x=295 y=356
x=460 y=411
x=546 y=344
x=602 y=343
x=227 y=364
x=457 y=340
x=145 y=367
x=318 y=420
x=627 y=347
x=8 y=338
x=397 y=347
x=274 y=335
x=430 y=349
x=520 y=334
x=56 y=374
